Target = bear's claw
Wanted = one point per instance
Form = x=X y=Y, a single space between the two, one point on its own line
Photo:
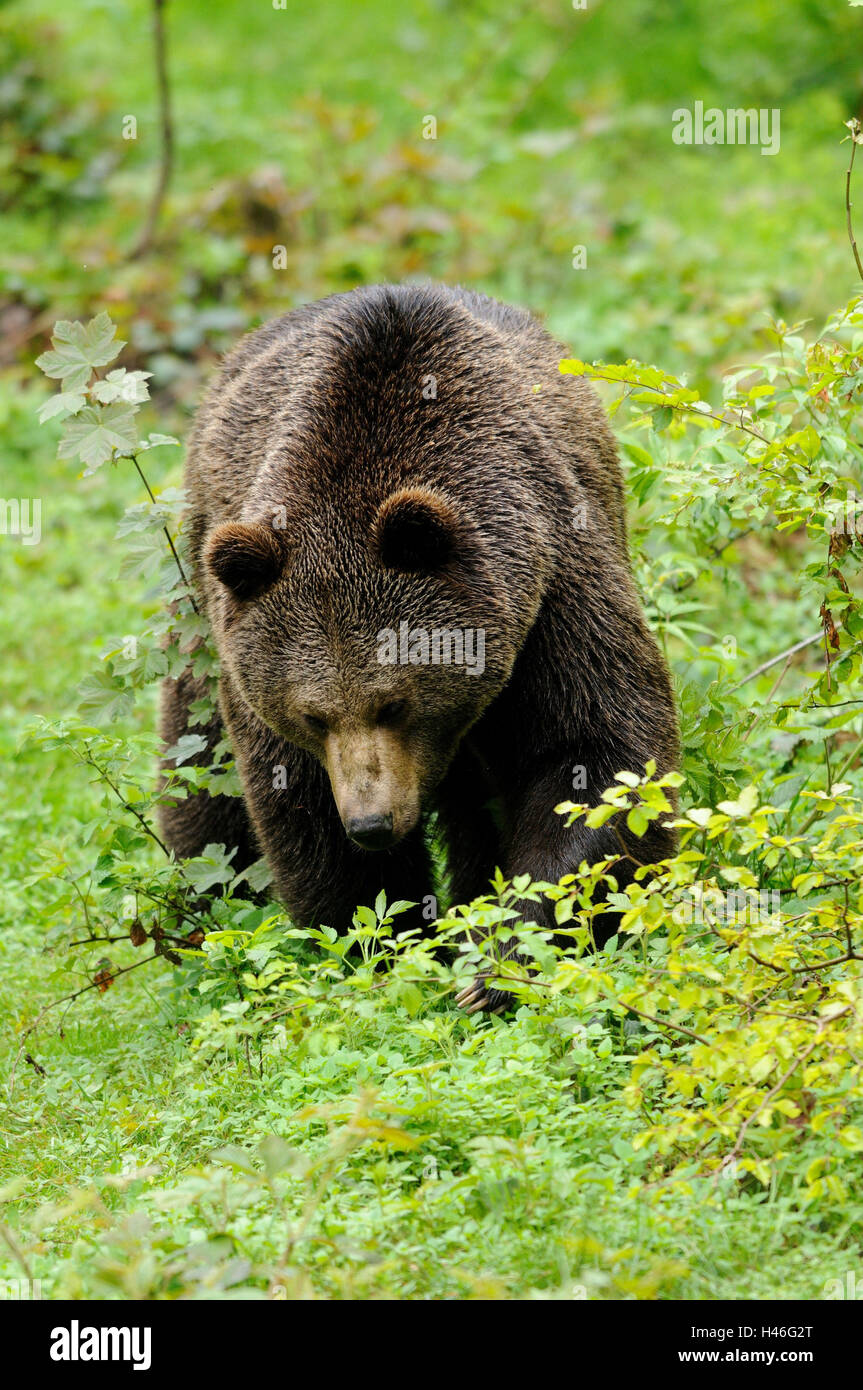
x=477 y=996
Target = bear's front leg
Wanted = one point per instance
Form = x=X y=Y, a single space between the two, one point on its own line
x=540 y=843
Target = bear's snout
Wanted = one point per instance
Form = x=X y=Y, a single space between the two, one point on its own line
x=371 y=832
x=375 y=785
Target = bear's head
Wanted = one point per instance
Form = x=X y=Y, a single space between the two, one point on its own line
x=373 y=636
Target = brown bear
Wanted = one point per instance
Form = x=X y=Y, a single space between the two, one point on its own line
x=407 y=532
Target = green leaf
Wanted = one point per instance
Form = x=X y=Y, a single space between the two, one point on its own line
x=185 y=748
x=638 y=455
x=121 y=385
x=77 y=348
x=65 y=403
x=563 y=911
x=104 y=697
x=155 y=441
x=599 y=815
x=397 y=908
x=809 y=442
x=96 y=432
x=235 y=1157
x=276 y=1155
x=207 y=870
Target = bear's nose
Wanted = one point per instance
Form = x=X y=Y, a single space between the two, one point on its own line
x=372 y=832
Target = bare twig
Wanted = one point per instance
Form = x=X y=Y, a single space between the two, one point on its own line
x=166 y=155
x=168 y=538
x=15 y=1249
x=840 y=774
x=66 y=999
x=127 y=805
x=854 y=127
x=786 y=1075
x=715 y=550
x=774 y=660
x=687 y=408
x=665 y=1023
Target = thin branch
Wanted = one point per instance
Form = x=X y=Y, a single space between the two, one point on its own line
x=88 y=940
x=664 y=1023
x=177 y=559
x=848 y=172
x=774 y=660
x=68 y=999
x=127 y=806
x=840 y=774
x=824 y=964
x=16 y=1251
x=166 y=154
x=819 y=704
x=786 y=1075
x=715 y=550
x=686 y=408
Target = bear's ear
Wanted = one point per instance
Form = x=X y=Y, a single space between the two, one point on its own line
x=245 y=558
x=416 y=530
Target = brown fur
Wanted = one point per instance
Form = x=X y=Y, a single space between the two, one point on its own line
x=331 y=498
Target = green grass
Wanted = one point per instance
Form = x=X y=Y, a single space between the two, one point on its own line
x=518 y=1177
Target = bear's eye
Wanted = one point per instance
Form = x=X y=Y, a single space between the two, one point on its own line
x=315 y=723
x=392 y=712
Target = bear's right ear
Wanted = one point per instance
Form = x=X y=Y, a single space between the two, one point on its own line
x=245 y=558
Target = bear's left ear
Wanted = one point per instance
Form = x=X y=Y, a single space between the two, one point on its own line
x=416 y=530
